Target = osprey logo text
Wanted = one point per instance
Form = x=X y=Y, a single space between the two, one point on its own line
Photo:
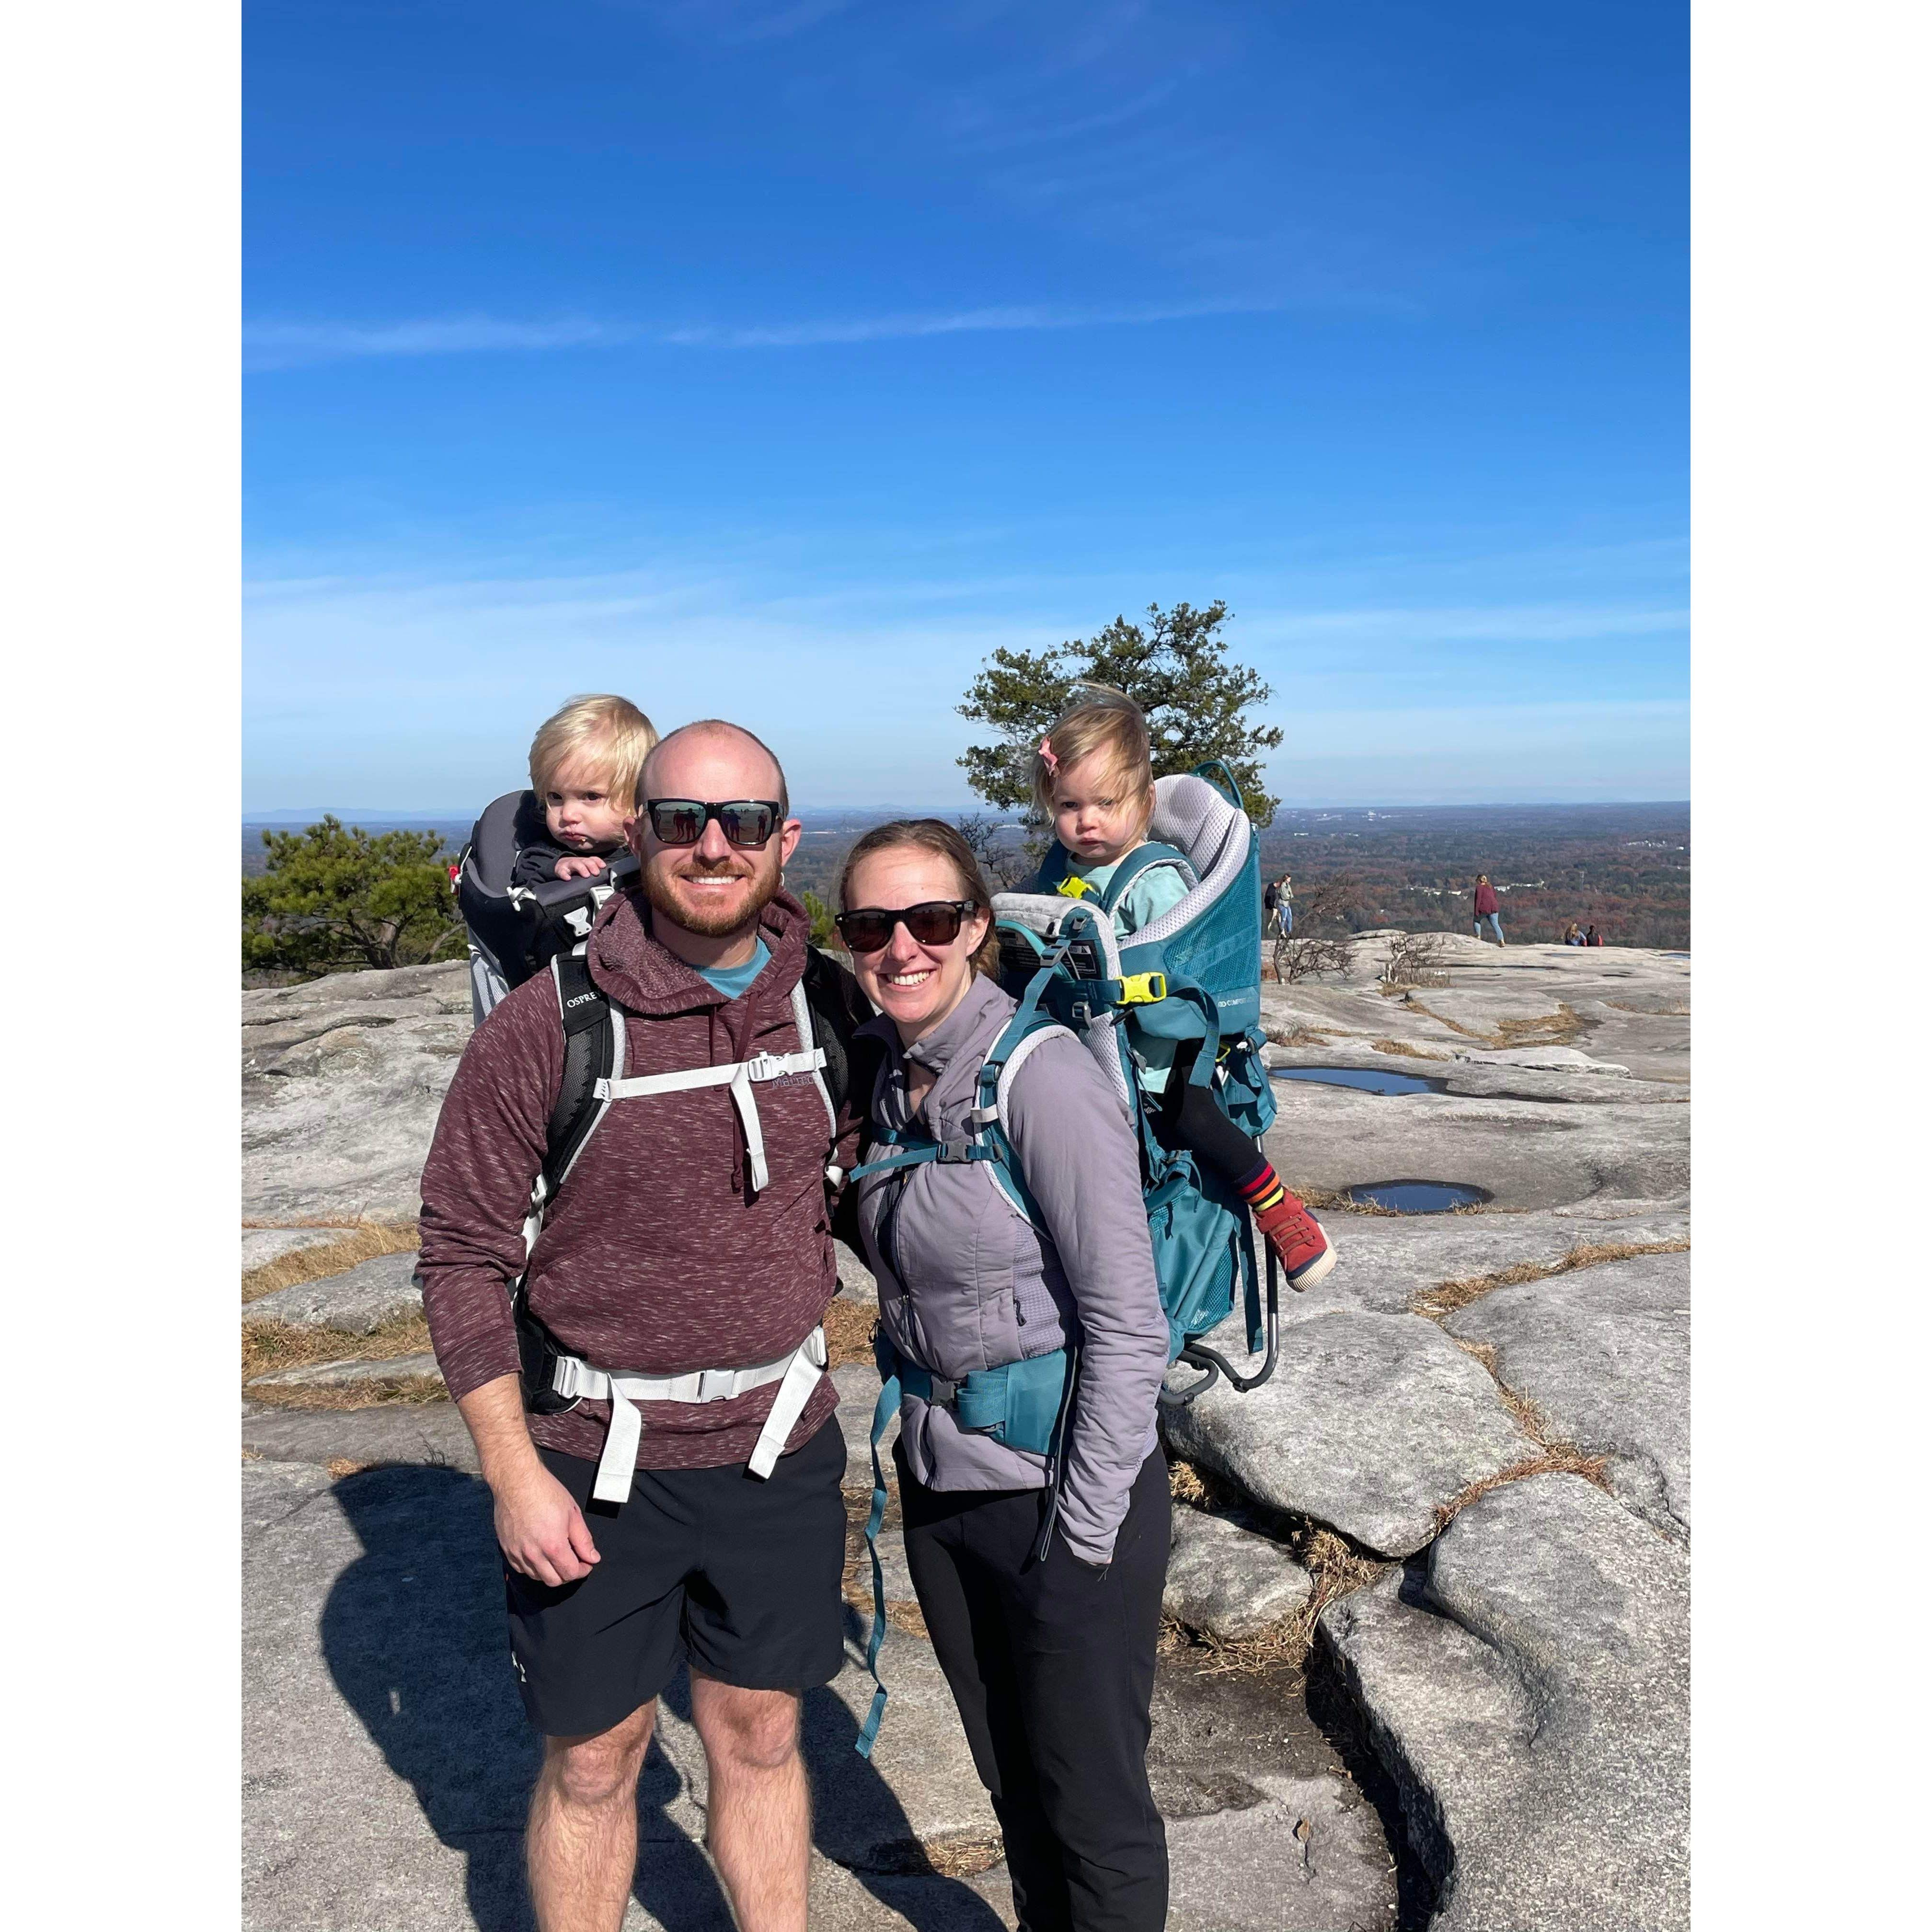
x=578 y=1000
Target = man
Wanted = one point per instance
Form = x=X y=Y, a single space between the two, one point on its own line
x=689 y=1234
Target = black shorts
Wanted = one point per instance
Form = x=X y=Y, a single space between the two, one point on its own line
x=738 y=1576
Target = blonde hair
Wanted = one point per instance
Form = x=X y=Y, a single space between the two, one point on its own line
x=1102 y=723
x=610 y=732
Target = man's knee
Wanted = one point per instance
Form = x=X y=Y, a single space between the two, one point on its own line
x=595 y=1770
x=756 y=1728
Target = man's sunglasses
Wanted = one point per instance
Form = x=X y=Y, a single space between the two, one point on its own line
x=746 y=822
x=932 y=922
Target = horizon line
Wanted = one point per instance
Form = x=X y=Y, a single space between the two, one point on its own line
x=292 y=815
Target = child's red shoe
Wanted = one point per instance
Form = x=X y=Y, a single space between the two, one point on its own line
x=1306 y=1253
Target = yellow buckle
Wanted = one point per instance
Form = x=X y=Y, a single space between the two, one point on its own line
x=1143 y=989
x=1073 y=887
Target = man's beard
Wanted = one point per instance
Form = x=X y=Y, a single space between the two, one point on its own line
x=762 y=884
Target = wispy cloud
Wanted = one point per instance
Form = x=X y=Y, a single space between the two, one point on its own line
x=284 y=345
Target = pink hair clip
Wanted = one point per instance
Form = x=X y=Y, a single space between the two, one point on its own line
x=1047 y=758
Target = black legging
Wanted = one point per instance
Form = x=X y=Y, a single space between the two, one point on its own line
x=1052 y=1664
x=1189 y=1116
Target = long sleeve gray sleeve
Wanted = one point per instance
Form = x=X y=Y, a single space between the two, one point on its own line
x=1077 y=1153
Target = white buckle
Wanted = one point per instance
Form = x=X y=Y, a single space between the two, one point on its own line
x=715 y=1385
x=765 y=1066
x=564 y=1377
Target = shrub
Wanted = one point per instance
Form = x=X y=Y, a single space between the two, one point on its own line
x=334 y=899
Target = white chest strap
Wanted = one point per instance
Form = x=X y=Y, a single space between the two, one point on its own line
x=740 y=1076
x=797 y=1374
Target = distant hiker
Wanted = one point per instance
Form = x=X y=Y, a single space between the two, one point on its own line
x=1045 y=1623
x=1093 y=777
x=676 y=1261
x=1271 y=914
x=1593 y=938
x=1285 y=903
x=1486 y=908
x=584 y=763
x=1572 y=934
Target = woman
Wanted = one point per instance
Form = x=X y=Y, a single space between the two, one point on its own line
x=1486 y=908
x=1050 y=1658
x=1572 y=933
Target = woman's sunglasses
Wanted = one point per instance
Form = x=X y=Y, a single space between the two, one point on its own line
x=745 y=822
x=932 y=922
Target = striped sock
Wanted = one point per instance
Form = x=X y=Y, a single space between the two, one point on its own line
x=1263 y=1189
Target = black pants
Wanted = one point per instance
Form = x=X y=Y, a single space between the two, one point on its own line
x=1052 y=1664
x=1189 y=1116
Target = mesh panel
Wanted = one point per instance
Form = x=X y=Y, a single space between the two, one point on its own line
x=1190 y=815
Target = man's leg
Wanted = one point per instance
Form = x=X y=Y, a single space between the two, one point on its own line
x=582 y=1849
x=760 y=1813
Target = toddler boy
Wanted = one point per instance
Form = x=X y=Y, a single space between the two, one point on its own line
x=584 y=763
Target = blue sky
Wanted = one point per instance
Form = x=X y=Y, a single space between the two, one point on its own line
x=779 y=358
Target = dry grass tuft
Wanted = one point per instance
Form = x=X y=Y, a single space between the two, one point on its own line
x=848 y=1331
x=944 y=1854
x=1405 y=1048
x=1553 y=1457
x=1337 y=1566
x=907 y=1617
x=1556 y=1029
x=267 y=1346
x=356 y=1395
x=1295 y=1034
x=1563 y=1460
x=962 y=1854
x=339 y=1466
x=361 y=1241
x=1430 y=1013
x=1445 y=1297
x=1337 y=1201
x=1185 y=1483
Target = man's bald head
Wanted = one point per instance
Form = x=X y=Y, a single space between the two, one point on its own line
x=704 y=735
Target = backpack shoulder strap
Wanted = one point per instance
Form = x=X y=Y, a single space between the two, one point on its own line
x=593 y=1050
x=837 y=1009
x=1142 y=859
x=1052 y=869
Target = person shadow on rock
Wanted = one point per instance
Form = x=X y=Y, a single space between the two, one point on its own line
x=414 y=1636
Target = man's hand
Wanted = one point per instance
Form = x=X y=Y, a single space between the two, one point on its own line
x=542 y=1530
x=579 y=865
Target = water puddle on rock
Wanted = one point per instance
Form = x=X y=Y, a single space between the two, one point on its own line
x=1418 y=1197
x=1368 y=1079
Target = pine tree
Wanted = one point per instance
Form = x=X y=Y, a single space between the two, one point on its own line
x=335 y=898
x=1176 y=669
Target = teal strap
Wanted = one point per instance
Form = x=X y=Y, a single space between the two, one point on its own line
x=1143 y=858
x=917 y=1154
x=882 y=1412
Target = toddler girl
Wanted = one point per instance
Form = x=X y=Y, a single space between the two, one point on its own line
x=1093 y=776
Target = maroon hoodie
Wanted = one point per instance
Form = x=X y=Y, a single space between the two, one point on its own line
x=1486 y=900
x=657 y=1256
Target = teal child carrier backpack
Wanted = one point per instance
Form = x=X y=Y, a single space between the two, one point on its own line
x=1191 y=976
